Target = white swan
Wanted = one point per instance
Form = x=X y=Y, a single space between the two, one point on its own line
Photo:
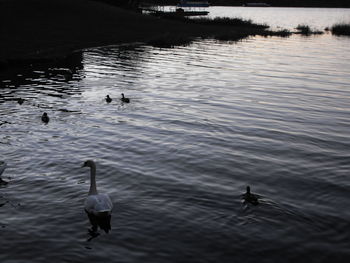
x=96 y=204
x=3 y=166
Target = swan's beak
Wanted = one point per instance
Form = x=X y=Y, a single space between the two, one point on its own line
x=84 y=165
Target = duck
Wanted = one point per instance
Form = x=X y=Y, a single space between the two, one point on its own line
x=3 y=166
x=98 y=206
x=250 y=198
x=123 y=99
x=108 y=99
x=20 y=101
x=45 y=118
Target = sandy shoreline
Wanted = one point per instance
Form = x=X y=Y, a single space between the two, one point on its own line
x=36 y=29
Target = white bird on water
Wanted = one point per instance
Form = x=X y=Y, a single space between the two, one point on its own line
x=97 y=206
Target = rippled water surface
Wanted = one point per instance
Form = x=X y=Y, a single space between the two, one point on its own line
x=204 y=121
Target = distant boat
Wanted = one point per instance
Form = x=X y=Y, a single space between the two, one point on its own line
x=256 y=5
x=193 y=3
x=184 y=8
x=192 y=8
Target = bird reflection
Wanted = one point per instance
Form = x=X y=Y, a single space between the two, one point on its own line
x=102 y=222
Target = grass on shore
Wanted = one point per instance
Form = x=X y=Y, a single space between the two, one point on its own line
x=306 y=30
x=341 y=29
x=237 y=29
x=226 y=21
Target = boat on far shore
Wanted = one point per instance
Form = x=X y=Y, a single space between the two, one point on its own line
x=256 y=5
x=184 y=8
x=193 y=3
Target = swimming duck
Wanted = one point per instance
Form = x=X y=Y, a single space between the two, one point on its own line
x=108 y=99
x=123 y=99
x=45 y=118
x=250 y=198
x=97 y=206
x=3 y=166
x=20 y=101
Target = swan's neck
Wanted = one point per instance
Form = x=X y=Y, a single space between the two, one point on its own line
x=93 y=189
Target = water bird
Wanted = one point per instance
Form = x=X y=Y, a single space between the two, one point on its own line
x=250 y=198
x=20 y=101
x=108 y=99
x=97 y=206
x=3 y=166
x=123 y=99
x=45 y=118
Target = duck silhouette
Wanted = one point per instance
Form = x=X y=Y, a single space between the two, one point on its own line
x=108 y=99
x=45 y=118
x=248 y=197
x=124 y=99
x=20 y=101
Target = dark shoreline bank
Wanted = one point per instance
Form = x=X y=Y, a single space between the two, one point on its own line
x=39 y=31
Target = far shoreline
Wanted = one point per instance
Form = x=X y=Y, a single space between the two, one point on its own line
x=42 y=32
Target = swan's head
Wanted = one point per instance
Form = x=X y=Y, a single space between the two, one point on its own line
x=44 y=114
x=122 y=95
x=89 y=163
x=107 y=96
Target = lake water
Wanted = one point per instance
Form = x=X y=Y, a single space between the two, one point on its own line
x=204 y=121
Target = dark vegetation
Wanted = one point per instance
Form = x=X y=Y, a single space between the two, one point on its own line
x=56 y=38
x=226 y=21
x=287 y=3
x=282 y=3
x=341 y=29
x=236 y=29
x=122 y=3
x=306 y=30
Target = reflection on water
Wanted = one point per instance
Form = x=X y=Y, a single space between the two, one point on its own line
x=35 y=77
x=103 y=222
x=204 y=121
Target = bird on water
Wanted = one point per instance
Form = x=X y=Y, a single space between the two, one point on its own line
x=45 y=118
x=250 y=198
x=20 y=101
x=98 y=206
x=124 y=99
x=108 y=99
